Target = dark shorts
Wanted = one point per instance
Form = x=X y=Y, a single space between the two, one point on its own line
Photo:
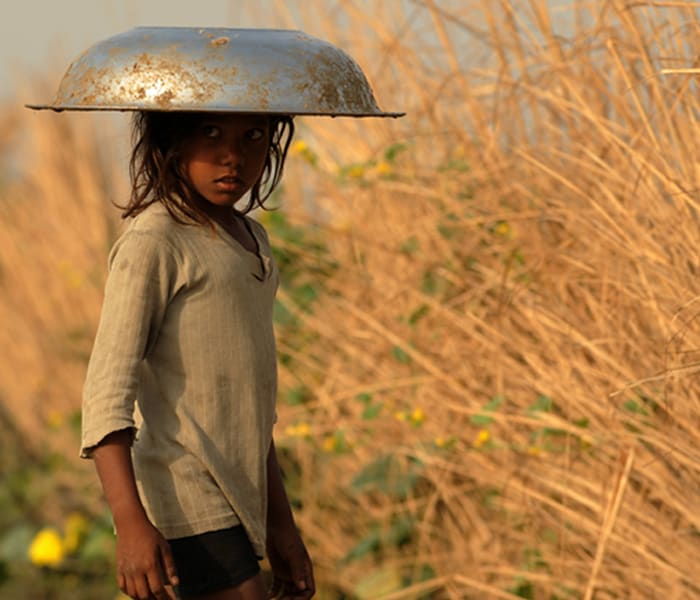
x=213 y=561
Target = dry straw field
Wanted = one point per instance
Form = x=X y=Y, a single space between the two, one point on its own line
x=488 y=326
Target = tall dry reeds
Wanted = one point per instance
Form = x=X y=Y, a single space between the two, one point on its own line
x=532 y=253
x=493 y=394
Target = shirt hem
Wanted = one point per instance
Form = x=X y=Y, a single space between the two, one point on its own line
x=180 y=530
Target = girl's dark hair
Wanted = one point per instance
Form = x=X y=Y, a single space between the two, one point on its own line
x=157 y=176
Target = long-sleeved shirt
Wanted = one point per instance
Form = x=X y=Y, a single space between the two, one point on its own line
x=184 y=356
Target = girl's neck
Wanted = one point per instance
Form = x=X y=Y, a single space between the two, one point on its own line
x=222 y=214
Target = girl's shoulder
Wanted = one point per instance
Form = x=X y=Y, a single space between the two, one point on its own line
x=153 y=230
x=154 y=222
x=154 y=218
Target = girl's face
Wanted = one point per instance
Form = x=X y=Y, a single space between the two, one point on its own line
x=225 y=155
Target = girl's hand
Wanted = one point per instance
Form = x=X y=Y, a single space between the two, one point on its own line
x=293 y=575
x=145 y=565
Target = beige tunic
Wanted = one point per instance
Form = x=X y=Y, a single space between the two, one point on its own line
x=186 y=335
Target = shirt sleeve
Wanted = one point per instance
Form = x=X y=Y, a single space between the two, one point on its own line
x=141 y=280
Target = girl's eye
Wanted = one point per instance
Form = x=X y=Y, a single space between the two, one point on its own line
x=210 y=131
x=255 y=134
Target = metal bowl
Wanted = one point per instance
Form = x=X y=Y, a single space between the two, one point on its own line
x=216 y=70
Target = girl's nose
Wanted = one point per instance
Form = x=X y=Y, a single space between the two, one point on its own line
x=232 y=153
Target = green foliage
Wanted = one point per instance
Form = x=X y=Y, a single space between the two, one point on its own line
x=378 y=583
x=362 y=173
x=75 y=558
x=371 y=410
x=297 y=395
x=305 y=265
x=533 y=561
x=635 y=407
x=387 y=475
x=410 y=246
x=418 y=314
x=398 y=533
x=15 y=541
x=486 y=418
x=401 y=355
x=394 y=150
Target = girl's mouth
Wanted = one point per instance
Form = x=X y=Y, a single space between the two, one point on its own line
x=228 y=182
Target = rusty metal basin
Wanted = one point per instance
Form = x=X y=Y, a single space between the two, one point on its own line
x=218 y=70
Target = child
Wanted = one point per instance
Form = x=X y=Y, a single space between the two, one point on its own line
x=186 y=338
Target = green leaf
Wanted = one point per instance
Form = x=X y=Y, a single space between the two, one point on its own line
x=364 y=397
x=542 y=404
x=549 y=535
x=410 y=246
x=99 y=544
x=379 y=583
x=304 y=295
x=553 y=431
x=490 y=497
x=632 y=406
x=15 y=543
x=518 y=256
x=523 y=588
x=400 y=531
x=482 y=419
x=367 y=545
x=374 y=474
x=282 y=315
x=297 y=395
x=394 y=150
x=372 y=411
x=534 y=560
x=430 y=283
x=418 y=314
x=401 y=355
x=388 y=476
x=455 y=164
x=446 y=232
x=75 y=421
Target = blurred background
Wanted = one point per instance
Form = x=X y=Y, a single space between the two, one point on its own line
x=488 y=316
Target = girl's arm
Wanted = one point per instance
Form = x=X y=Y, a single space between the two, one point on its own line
x=290 y=562
x=144 y=562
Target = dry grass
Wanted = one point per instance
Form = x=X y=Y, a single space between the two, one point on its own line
x=560 y=264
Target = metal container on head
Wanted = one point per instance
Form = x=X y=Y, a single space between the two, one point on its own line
x=216 y=70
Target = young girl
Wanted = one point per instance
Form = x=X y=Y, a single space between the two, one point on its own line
x=186 y=342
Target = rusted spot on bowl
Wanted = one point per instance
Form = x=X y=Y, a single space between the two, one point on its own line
x=220 y=41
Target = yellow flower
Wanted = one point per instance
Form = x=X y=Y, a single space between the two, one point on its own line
x=400 y=415
x=383 y=168
x=502 y=229
x=299 y=147
x=481 y=438
x=298 y=430
x=75 y=527
x=356 y=171
x=54 y=419
x=534 y=450
x=47 y=549
x=72 y=276
x=417 y=416
x=440 y=442
x=342 y=222
x=330 y=443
